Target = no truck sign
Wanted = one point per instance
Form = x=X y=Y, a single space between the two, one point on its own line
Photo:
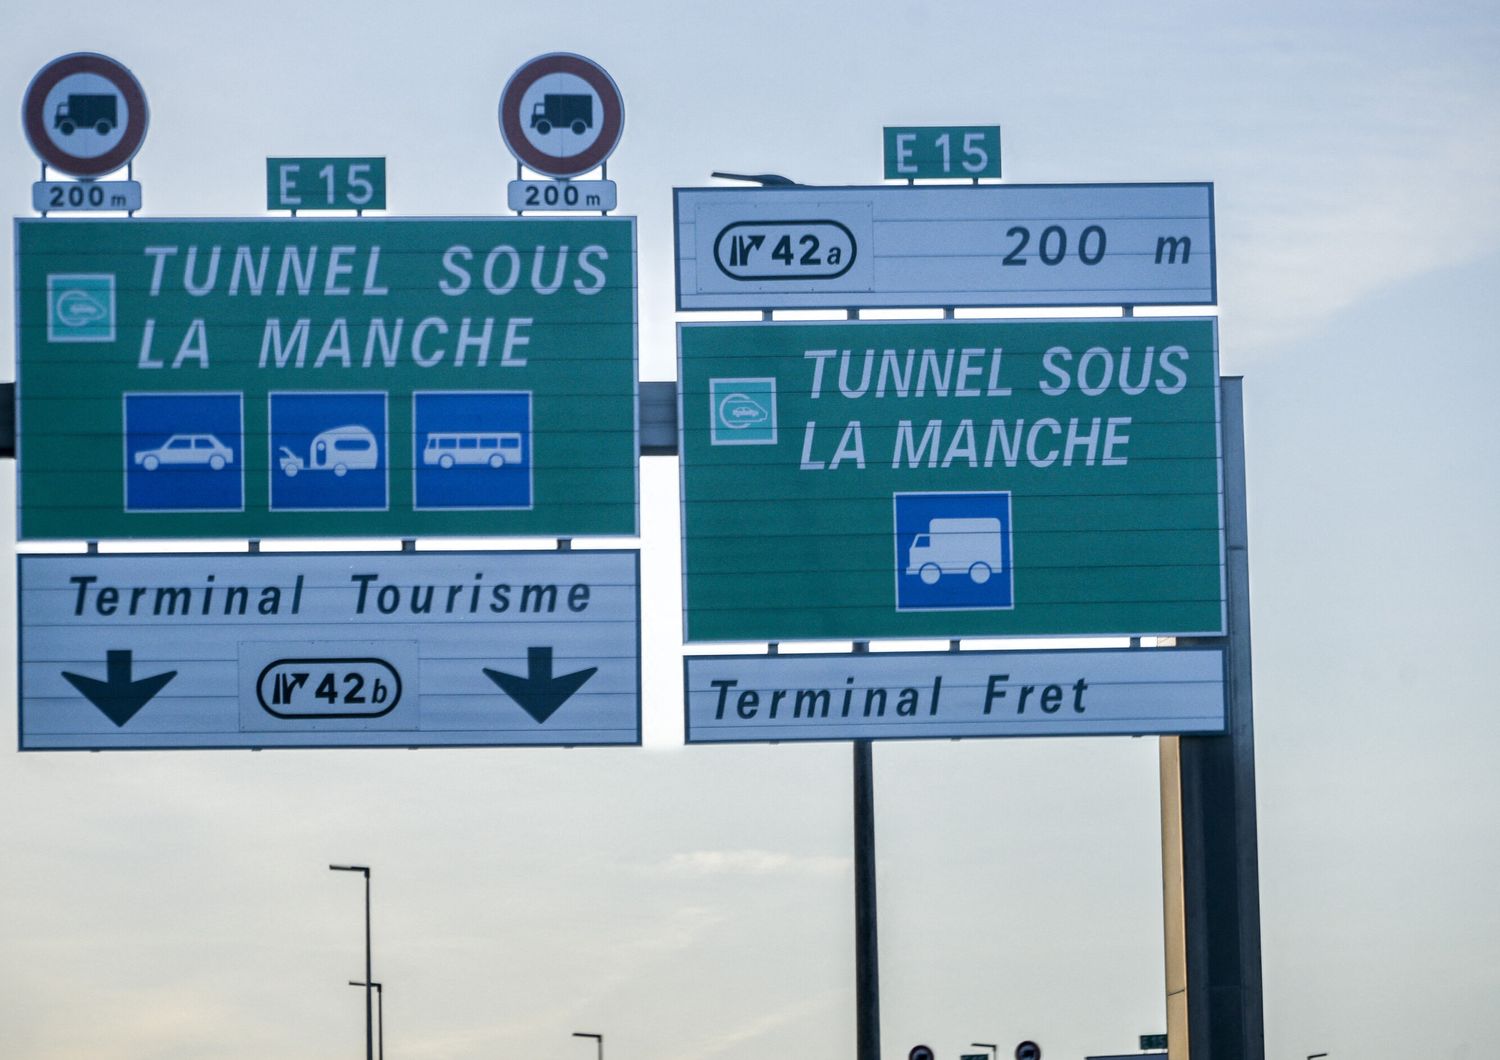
x=85 y=115
x=561 y=114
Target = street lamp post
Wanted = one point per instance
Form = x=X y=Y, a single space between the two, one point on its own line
x=991 y=1046
x=369 y=993
x=598 y=1038
x=379 y=1012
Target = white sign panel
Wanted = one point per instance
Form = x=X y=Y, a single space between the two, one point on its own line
x=330 y=650
x=975 y=245
x=572 y=195
x=56 y=196
x=946 y=695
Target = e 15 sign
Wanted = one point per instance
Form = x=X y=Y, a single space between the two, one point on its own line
x=325 y=183
x=922 y=152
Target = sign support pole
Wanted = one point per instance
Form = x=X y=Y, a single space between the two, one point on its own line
x=1209 y=849
x=866 y=934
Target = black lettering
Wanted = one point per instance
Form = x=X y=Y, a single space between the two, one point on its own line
x=171 y=598
x=83 y=581
x=992 y=692
x=1014 y=257
x=1170 y=245
x=811 y=697
x=723 y=687
x=533 y=595
x=364 y=587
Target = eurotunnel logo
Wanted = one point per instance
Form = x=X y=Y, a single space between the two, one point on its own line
x=80 y=307
x=742 y=411
x=785 y=250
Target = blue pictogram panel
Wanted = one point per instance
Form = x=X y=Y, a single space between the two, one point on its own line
x=953 y=552
x=472 y=449
x=329 y=452
x=184 y=453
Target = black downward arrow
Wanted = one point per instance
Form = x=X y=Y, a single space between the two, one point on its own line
x=539 y=693
x=117 y=695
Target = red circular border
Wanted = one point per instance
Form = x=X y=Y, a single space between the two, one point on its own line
x=609 y=100
x=34 y=117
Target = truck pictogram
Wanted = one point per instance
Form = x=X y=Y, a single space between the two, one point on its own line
x=559 y=110
x=87 y=111
x=958 y=546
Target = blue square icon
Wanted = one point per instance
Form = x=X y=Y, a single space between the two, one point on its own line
x=953 y=552
x=184 y=453
x=472 y=449
x=329 y=452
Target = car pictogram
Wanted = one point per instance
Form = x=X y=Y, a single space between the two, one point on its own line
x=187 y=450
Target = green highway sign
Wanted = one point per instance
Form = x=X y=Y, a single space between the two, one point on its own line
x=325 y=184
x=926 y=151
x=950 y=479
x=326 y=378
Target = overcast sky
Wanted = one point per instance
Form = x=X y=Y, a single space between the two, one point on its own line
x=697 y=902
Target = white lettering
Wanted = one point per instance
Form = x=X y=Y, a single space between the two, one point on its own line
x=428 y=361
x=271 y=343
x=161 y=254
x=489 y=270
x=335 y=344
x=808 y=463
x=514 y=339
x=147 y=334
x=450 y=262
x=818 y=357
x=589 y=267
x=198 y=290
x=337 y=267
